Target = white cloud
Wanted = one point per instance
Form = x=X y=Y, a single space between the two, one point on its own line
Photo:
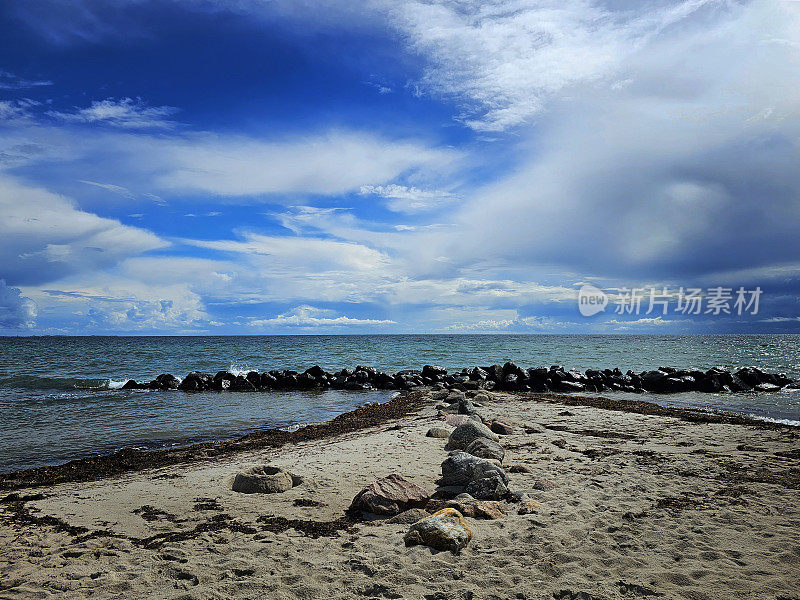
x=403 y=199
x=125 y=113
x=16 y=112
x=507 y=60
x=310 y=253
x=309 y=316
x=328 y=164
x=9 y=81
x=116 y=189
x=667 y=177
x=16 y=311
x=43 y=236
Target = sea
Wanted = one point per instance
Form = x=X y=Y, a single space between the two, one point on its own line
x=60 y=397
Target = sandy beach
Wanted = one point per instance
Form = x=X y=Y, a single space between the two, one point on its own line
x=643 y=506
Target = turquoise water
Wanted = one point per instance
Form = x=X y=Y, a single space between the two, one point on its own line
x=58 y=401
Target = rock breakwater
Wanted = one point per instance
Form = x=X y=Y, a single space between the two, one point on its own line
x=506 y=377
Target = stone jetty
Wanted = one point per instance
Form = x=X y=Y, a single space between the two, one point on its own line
x=507 y=377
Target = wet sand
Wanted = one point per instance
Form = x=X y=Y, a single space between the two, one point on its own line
x=646 y=506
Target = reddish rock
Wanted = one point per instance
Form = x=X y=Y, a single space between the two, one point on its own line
x=456 y=420
x=502 y=427
x=544 y=485
x=479 y=509
x=390 y=495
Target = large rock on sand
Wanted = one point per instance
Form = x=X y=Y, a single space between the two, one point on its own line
x=264 y=479
x=462 y=468
x=483 y=448
x=438 y=432
x=390 y=495
x=444 y=530
x=467 y=432
x=488 y=488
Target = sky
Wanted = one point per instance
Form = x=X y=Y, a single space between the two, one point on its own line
x=398 y=166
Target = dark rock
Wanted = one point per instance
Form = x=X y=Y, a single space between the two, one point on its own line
x=465 y=407
x=167 y=382
x=487 y=488
x=196 y=382
x=461 y=468
x=433 y=372
x=483 y=448
x=242 y=384
x=570 y=386
x=133 y=385
x=316 y=372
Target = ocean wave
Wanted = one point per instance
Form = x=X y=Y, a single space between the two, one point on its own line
x=36 y=382
x=791 y=422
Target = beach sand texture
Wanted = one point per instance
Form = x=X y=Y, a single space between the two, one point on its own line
x=646 y=507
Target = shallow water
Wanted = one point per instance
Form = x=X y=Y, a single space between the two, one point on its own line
x=58 y=399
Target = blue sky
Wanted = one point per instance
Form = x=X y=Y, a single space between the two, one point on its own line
x=194 y=166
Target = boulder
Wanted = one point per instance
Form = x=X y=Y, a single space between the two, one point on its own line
x=165 y=381
x=263 y=479
x=467 y=432
x=196 y=382
x=501 y=427
x=433 y=371
x=134 y=385
x=444 y=530
x=390 y=495
x=466 y=407
x=438 y=432
x=454 y=396
x=488 y=488
x=478 y=509
x=483 y=448
x=456 y=420
x=570 y=386
x=654 y=381
x=462 y=468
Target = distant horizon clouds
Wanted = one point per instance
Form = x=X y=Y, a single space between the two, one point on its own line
x=395 y=167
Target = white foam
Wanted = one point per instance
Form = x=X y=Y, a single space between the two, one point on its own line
x=791 y=422
x=115 y=385
x=236 y=370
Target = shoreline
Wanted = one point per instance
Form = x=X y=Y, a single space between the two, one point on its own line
x=125 y=461
x=625 y=504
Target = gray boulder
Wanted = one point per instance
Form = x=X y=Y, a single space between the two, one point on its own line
x=483 y=448
x=263 y=479
x=488 y=488
x=462 y=468
x=466 y=407
x=467 y=432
